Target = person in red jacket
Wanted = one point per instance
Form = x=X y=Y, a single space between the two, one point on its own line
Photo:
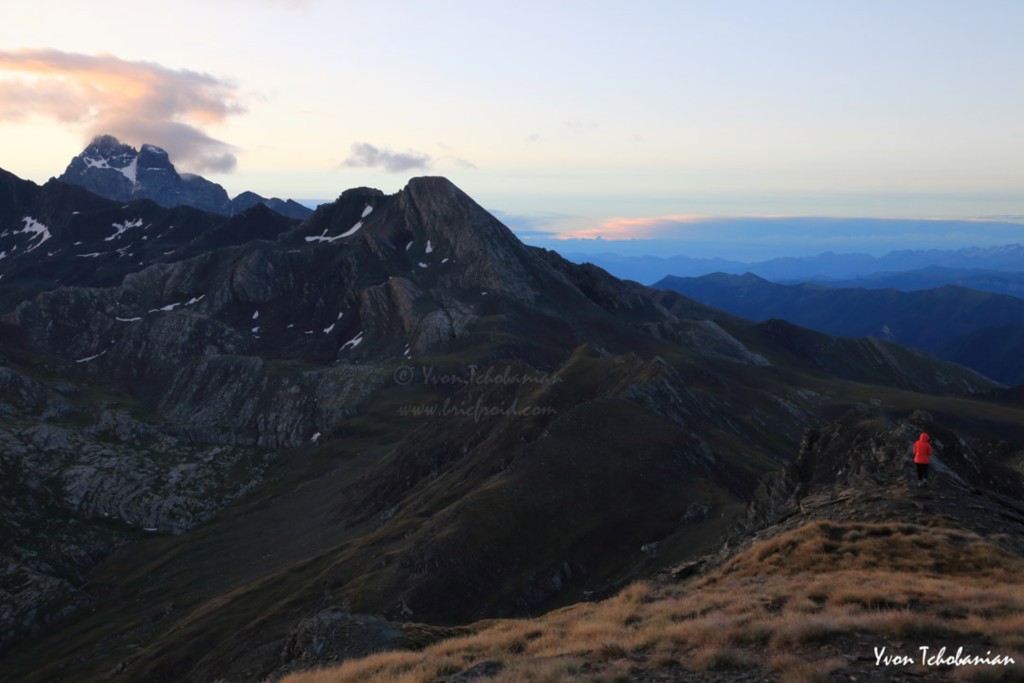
x=922 y=454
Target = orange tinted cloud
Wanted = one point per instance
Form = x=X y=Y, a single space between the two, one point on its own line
x=633 y=228
x=135 y=101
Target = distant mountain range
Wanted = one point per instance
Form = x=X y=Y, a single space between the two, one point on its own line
x=998 y=282
x=822 y=267
x=120 y=172
x=981 y=330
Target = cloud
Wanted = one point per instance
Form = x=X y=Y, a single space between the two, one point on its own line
x=755 y=238
x=578 y=126
x=137 y=102
x=365 y=155
x=635 y=228
x=1013 y=218
x=461 y=163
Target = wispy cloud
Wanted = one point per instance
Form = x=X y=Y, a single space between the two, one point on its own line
x=635 y=228
x=450 y=158
x=136 y=101
x=579 y=126
x=767 y=236
x=365 y=155
x=1012 y=218
x=462 y=163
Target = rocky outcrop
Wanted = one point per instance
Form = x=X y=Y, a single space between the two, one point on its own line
x=78 y=480
x=864 y=455
x=335 y=635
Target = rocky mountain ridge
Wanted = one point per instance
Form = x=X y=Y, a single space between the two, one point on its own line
x=120 y=172
x=58 y=234
x=980 y=330
x=418 y=417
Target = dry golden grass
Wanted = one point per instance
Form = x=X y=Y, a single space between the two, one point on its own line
x=788 y=667
x=821 y=547
x=772 y=607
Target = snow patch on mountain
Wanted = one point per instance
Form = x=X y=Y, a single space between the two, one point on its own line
x=353 y=230
x=353 y=342
x=322 y=237
x=95 y=163
x=121 y=228
x=36 y=229
x=89 y=358
x=131 y=171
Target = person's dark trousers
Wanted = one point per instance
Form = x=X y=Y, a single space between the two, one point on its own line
x=922 y=471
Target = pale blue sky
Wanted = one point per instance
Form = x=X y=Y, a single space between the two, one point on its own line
x=576 y=115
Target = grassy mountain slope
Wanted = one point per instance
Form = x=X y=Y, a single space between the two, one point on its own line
x=860 y=566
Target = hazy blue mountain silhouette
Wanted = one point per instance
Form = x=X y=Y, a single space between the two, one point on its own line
x=821 y=267
x=978 y=329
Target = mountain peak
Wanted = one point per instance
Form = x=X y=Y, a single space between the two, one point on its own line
x=432 y=183
x=107 y=157
x=106 y=167
x=117 y=171
x=105 y=143
x=153 y=157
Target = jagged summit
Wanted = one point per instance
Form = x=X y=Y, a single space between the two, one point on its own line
x=108 y=145
x=117 y=171
x=114 y=165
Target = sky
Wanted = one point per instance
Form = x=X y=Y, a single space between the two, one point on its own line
x=571 y=120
